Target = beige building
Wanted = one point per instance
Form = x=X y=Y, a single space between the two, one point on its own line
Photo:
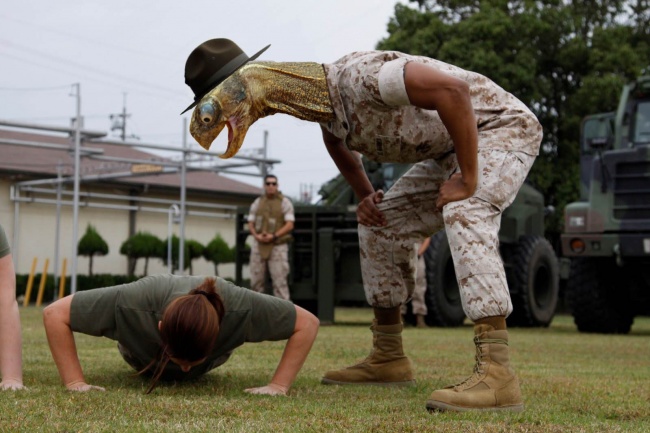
x=123 y=190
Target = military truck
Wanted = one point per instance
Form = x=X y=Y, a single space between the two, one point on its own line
x=325 y=264
x=607 y=232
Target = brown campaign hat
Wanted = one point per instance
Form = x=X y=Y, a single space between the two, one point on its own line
x=211 y=63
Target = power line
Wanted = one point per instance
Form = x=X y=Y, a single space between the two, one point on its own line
x=93 y=79
x=35 y=89
x=79 y=66
x=94 y=42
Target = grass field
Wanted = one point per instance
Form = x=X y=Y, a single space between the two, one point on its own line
x=571 y=382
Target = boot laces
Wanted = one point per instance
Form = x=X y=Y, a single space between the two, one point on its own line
x=480 y=362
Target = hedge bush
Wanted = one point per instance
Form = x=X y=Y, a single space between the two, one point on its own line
x=84 y=282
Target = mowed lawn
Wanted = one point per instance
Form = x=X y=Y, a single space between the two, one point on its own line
x=571 y=382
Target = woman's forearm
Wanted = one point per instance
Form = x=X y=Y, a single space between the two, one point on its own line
x=60 y=338
x=297 y=348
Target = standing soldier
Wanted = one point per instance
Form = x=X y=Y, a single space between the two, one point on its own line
x=270 y=222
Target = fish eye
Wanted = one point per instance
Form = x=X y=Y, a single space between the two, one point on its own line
x=207 y=113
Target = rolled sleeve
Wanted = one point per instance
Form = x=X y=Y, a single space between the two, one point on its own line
x=391 y=83
x=272 y=318
x=287 y=210
x=5 y=250
x=92 y=312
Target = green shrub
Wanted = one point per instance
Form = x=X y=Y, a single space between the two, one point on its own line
x=91 y=244
x=84 y=282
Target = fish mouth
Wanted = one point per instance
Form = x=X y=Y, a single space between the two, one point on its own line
x=237 y=130
x=209 y=120
x=236 y=134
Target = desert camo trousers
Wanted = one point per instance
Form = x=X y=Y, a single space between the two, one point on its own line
x=388 y=256
x=418 y=303
x=278 y=264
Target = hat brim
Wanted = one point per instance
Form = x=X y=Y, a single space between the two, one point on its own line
x=198 y=98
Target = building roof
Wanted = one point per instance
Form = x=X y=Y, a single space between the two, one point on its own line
x=24 y=162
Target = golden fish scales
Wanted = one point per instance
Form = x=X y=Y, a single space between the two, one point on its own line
x=295 y=88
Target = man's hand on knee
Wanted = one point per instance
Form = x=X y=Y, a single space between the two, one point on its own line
x=367 y=212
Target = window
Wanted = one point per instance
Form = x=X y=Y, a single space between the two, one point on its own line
x=597 y=132
x=641 y=132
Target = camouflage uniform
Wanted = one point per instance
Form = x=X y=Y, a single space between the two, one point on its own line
x=418 y=303
x=373 y=117
x=277 y=261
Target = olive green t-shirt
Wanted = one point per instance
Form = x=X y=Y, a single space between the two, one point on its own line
x=130 y=313
x=4 y=244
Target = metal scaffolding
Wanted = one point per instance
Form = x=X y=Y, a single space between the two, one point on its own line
x=37 y=190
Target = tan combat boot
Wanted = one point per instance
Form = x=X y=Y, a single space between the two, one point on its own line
x=386 y=365
x=420 y=321
x=492 y=387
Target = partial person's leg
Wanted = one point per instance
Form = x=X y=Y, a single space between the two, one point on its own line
x=418 y=303
x=472 y=228
x=257 y=269
x=388 y=256
x=388 y=259
x=279 y=270
x=403 y=308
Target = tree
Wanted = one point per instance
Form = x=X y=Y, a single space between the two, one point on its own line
x=141 y=245
x=91 y=244
x=563 y=59
x=194 y=251
x=217 y=251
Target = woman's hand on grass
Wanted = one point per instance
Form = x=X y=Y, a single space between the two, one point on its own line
x=83 y=387
x=270 y=389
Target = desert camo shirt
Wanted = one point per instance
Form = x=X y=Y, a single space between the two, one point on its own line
x=408 y=134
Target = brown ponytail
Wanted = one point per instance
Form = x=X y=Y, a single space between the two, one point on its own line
x=189 y=329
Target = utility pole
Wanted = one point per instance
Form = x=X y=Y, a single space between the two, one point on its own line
x=75 y=204
x=119 y=121
x=181 y=244
x=306 y=192
x=265 y=168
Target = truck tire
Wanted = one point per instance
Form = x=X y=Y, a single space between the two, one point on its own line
x=598 y=296
x=534 y=282
x=444 y=305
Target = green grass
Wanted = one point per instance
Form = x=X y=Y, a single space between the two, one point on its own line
x=571 y=382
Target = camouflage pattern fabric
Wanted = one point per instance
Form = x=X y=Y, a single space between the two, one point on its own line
x=388 y=259
x=408 y=134
x=278 y=264
x=371 y=118
x=418 y=303
x=268 y=217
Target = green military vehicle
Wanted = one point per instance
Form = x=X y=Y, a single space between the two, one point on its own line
x=607 y=232
x=325 y=264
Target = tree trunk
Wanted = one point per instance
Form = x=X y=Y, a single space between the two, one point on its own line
x=146 y=265
x=131 y=264
x=90 y=265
